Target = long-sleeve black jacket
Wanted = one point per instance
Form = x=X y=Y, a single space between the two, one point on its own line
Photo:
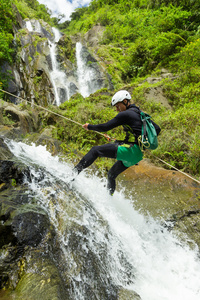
x=129 y=119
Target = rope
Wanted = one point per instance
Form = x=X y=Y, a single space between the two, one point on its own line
x=104 y=135
x=176 y=168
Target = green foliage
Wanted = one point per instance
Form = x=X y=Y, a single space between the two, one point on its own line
x=179 y=140
x=6 y=50
x=7 y=119
x=6 y=36
x=6 y=16
x=78 y=13
x=189 y=55
x=184 y=89
x=139 y=38
x=147 y=37
x=32 y=9
x=13 y=182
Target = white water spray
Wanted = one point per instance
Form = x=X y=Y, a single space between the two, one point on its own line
x=58 y=77
x=87 y=75
x=29 y=26
x=83 y=76
x=160 y=267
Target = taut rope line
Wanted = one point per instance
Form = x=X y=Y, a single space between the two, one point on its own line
x=104 y=135
x=176 y=169
x=59 y=115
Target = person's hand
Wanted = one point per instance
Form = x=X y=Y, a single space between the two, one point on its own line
x=85 y=126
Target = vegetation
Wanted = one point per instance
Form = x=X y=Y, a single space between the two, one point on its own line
x=27 y=9
x=32 y=9
x=140 y=38
x=179 y=142
x=6 y=36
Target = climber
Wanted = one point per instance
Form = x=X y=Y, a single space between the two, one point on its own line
x=127 y=152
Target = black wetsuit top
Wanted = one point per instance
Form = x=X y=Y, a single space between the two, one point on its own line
x=129 y=119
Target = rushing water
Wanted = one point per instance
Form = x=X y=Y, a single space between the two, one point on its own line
x=84 y=73
x=158 y=266
x=58 y=77
x=87 y=74
x=87 y=81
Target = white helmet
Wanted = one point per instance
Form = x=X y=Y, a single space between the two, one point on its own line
x=120 y=96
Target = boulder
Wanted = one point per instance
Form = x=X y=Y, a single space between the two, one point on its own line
x=128 y=295
x=5 y=153
x=18 y=121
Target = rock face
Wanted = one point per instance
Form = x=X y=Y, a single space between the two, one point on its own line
x=175 y=198
x=14 y=121
x=155 y=93
x=46 y=69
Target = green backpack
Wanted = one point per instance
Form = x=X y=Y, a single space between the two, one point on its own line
x=148 y=139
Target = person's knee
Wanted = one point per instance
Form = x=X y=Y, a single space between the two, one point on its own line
x=94 y=150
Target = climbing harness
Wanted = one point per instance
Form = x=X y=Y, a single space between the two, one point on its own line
x=102 y=134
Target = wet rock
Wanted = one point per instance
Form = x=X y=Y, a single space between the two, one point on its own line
x=40 y=279
x=9 y=170
x=29 y=225
x=94 y=35
x=128 y=295
x=175 y=198
x=187 y=225
x=5 y=153
x=73 y=89
x=17 y=120
x=45 y=138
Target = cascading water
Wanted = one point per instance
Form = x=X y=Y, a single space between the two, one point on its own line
x=58 y=77
x=128 y=249
x=83 y=76
x=89 y=78
x=87 y=74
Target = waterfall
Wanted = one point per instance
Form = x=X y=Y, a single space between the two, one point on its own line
x=89 y=78
x=83 y=75
x=131 y=250
x=29 y=25
x=33 y=26
x=58 y=77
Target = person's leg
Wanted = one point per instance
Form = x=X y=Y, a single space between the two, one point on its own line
x=116 y=169
x=107 y=150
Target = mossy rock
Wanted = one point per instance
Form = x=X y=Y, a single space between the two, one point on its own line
x=38 y=279
x=128 y=295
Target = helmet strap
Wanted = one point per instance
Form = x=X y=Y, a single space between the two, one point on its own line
x=126 y=104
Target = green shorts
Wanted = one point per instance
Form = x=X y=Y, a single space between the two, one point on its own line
x=129 y=156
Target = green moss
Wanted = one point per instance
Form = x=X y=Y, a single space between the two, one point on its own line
x=66 y=48
x=13 y=182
